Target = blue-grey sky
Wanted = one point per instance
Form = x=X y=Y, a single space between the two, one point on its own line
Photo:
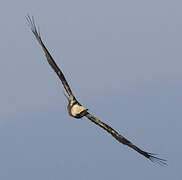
x=123 y=60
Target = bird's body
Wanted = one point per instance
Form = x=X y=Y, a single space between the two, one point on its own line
x=76 y=110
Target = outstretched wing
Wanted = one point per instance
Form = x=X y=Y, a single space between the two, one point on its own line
x=124 y=141
x=50 y=60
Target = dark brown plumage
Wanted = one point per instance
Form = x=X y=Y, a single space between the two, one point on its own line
x=76 y=110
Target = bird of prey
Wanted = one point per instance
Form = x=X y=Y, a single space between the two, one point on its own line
x=76 y=110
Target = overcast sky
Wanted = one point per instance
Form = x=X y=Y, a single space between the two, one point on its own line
x=123 y=60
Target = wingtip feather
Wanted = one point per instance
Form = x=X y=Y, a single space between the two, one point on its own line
x=160 y=161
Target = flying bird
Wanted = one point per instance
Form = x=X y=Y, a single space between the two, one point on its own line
x=76 y=110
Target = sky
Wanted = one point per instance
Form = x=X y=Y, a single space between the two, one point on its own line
x=123 y=61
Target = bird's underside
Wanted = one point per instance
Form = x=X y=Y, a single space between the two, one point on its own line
x=76 y=110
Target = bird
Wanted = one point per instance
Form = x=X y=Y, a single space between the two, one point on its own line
x=76 y=110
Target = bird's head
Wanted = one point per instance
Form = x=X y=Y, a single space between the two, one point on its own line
x=71 y=100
